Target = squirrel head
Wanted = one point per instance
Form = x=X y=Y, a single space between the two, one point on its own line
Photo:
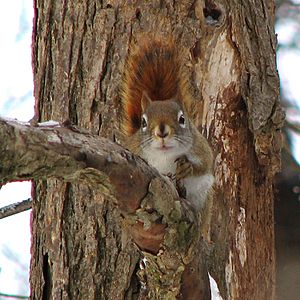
x=164 y=125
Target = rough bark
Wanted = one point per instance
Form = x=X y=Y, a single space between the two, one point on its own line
x=78 y=52
x=54 y=151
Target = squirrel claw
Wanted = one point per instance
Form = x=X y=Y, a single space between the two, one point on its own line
x=184 y=167
x=180 y=189
x=171 y=176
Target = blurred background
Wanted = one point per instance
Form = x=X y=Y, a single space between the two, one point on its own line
x=16 y=101
x=287 y=184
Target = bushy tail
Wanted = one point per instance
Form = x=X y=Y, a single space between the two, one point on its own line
x=153 y=66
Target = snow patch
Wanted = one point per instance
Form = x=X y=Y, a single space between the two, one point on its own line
x=49 y=123
x=215 y=293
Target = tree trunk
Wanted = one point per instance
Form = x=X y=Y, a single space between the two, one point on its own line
x=79 y=49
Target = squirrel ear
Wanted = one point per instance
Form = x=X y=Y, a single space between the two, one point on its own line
x=178 y=98
x=145 y=101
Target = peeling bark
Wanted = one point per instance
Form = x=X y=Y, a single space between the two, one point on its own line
x=240 y=88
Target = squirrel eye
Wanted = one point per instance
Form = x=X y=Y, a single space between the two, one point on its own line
x=144 y=122
x=181 y=119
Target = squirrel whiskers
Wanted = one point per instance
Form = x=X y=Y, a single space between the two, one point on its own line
x=155 y=101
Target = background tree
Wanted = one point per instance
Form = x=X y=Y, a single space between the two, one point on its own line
x=79 y=49
x=287 y=205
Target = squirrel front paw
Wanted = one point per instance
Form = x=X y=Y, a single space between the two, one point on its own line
x=184 y=168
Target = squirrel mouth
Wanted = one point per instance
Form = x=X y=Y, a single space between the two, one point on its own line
x=164 y=147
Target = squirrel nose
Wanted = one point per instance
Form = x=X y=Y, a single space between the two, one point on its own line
x=162 y=131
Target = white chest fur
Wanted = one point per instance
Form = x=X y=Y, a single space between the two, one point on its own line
x=162 y=161
x=197 y=188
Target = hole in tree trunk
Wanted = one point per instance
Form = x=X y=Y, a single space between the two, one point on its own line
x=212 y=13
x=47 y=278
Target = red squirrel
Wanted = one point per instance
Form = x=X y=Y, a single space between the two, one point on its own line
x=155 y=99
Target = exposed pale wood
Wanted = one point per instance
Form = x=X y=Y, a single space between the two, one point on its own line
x=241 y=112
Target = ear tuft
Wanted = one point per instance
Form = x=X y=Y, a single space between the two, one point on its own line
x=145 y=101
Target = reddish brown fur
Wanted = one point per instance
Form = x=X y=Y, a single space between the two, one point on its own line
x=154 y=67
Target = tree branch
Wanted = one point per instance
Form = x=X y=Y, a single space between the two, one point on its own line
x=70 y=154
x=15 y=208
x=51 y=150
x=149 y=202
x=13 y=296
